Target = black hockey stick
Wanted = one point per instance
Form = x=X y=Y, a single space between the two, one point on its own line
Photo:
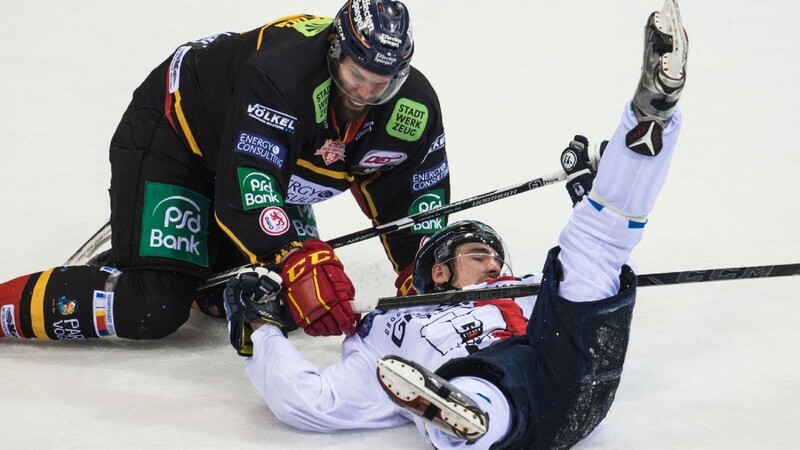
x=451 y=208
x=409 y=221
x=652 y=279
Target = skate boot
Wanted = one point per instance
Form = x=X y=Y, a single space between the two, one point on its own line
x=664 y=66
x=666 y=45
x=431 y=397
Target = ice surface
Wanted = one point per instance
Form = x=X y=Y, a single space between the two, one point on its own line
x=710 y=366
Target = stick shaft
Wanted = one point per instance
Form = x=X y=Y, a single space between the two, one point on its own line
x=652 y=279
x=409 y=221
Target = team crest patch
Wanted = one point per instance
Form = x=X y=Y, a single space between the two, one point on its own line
x=331 y=151
x=274 y=221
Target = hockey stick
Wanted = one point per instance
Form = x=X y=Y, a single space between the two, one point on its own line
x=652 y=279
x=90 y=247
x=409 y=221
x=103 y=235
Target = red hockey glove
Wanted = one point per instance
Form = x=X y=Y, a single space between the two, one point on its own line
x=318 y=292
x=403 y=282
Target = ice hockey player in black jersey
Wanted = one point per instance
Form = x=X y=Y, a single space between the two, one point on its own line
x=221 y=154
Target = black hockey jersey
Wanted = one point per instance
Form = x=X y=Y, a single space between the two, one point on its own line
x=255 y=107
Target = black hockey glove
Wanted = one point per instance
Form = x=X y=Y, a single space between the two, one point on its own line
x=252 y=297
x=579 y=168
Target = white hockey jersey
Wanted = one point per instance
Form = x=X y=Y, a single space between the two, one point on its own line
x=346 y=395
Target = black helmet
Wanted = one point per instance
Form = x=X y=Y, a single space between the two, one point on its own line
x=441 y=247
x=376 y=34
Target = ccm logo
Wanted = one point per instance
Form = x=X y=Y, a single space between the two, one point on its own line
x=379 y=158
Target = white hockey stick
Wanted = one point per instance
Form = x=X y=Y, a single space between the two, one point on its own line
x=90 y=247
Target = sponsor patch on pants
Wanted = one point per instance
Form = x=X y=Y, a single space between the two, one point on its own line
x=175 y=224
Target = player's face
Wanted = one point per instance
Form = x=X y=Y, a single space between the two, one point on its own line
x=473 y=263
x=362 y=86
x=357 y=89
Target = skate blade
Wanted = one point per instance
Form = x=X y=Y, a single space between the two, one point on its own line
x=668 y=21
x=407 y=385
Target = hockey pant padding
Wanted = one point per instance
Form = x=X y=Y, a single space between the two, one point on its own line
x=144 y=150
x=150 y=304
x=561 y=378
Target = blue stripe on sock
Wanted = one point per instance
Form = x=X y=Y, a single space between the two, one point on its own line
x=596 y=205
x=632 y=224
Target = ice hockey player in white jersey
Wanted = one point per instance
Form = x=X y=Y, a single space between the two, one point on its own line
x=535 y=372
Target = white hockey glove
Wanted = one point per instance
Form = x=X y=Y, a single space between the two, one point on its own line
x=252 y=297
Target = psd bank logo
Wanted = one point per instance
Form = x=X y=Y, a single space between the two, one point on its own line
x=175 y=224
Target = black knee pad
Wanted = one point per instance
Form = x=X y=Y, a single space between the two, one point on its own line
x=152 y=304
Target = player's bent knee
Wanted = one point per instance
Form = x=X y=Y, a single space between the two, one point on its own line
x=152 y=304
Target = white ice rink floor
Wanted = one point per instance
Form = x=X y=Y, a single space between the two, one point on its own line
x=710 y=366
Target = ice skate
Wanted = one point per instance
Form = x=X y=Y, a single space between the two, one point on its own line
x=664 y=67
x=431 y=397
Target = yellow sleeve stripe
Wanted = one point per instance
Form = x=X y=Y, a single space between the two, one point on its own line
x=328 y=173
x=37 y=305
x=250 y=255
x=374 y=213
x=185 y=125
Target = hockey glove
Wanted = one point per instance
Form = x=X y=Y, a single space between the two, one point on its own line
x=403 y=283
x=252 y=297
x=318 y=292
x=580 y=170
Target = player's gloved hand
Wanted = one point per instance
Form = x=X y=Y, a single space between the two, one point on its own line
x=252 y=297
x=318 y=292
x=403 y=282
x=580 y=169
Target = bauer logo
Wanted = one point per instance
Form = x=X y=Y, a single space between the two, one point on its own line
x=258 y=189
x=427 y=202
x=175 y=224
x=428 y=178
x=271 y=117
x=438 y=144
x=261 y=147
